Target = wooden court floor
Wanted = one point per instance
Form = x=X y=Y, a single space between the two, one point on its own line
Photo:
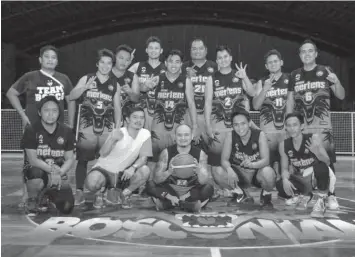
x=220 y=230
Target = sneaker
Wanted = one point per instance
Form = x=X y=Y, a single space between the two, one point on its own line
x=79 y=197
x=303 y=202
x=265 y=200
x=99 y=201
x=332 y=203
x=112 y=197
x=158 y=204
x=318 y=208
x=191 y=206
x=293 y=200
x=125 y=200
x=242 y=198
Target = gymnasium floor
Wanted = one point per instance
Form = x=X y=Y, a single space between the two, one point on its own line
x=219 y=231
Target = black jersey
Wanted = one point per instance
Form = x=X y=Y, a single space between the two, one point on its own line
x=273 y=109
x=50 y=147
x=199 y=81
x=301 y=159
x=312 y=95
x=171 y=104
x=126 y=103
x=228 y=94
x=182 y=185
x=97 y=105
x=145 y=71
x=241 y=152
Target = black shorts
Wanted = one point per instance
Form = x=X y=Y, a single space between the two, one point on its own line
x=113 y=180
x=243 y=182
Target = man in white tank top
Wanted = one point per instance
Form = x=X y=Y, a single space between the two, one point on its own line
x=122 y=162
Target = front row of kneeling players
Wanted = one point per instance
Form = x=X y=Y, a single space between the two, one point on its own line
x=181 y=177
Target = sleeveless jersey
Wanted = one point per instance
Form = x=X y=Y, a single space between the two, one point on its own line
x=171 y=102
x=126 y=103
x=50 y=148
x=144 y=71
x=273 y=109
x=199 y=81
x=312 y=95
x=228 y=94
x=181 y=184
x=301 y=159
x=97 y=108
x=241 y=152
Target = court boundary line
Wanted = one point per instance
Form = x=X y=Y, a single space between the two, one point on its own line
x=203 y=247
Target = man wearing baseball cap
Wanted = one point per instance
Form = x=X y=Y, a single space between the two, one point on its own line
x=49 y=146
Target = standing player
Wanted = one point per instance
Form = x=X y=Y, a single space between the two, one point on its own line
x=309 y=159
x=230 y=90
x=174 y=104
x=270 y=99
x=127 y=80
x=49 y=146
x=200 y=71
x=147 y=73
x=188 y=189
x=38 y=84
x=99 y=96
x=309 y=93
x=245 y=160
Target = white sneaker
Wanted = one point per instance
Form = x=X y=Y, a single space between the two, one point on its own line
x=318 y=208
x=292 y=201
x=303 y=202
x=99 y=201
x=332 y=203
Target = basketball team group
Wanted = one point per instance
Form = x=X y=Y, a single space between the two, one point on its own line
x=178 y=132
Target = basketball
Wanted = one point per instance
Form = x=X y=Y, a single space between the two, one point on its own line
x=183 y=165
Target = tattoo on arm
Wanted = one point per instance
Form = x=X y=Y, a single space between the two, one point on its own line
x=160 y=171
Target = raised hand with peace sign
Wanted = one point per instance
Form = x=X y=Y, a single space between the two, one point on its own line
x=241 y=71
x=332 y=77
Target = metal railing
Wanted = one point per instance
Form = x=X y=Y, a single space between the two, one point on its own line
x=343 y=127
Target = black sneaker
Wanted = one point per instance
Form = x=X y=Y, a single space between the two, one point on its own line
x=265 y=201
x=241 y=198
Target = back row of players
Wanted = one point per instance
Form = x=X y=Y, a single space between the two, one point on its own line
x=199 y=92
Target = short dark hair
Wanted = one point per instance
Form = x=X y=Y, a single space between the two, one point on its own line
x=272 y=52
x=133 y=109
x=174 y=52
x=183 y=124
x=198 y=39
x=241 y=111
x=152 y=39
x=221 y=48
x=48 y=98
x=124 y=47
x=296 y=114
x=47 y=48
x=308 y=41
x=105 y=52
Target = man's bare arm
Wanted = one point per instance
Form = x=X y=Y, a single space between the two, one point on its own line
x=202 y=169
x=161 y=173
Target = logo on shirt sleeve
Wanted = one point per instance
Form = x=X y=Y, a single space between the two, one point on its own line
x=60 y=140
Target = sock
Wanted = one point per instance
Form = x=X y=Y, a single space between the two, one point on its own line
x=266 y=192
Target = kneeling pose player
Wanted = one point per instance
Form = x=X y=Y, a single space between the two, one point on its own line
x=181 y=176
x=49 y=146
x=122 y=162
x=310 y=162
